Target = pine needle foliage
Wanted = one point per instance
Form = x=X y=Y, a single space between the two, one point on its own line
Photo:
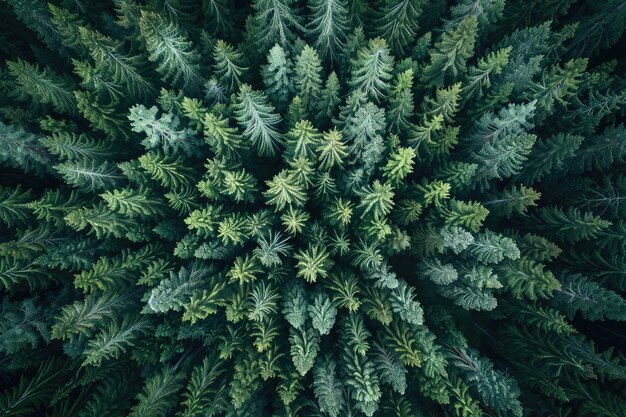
x=320 y=208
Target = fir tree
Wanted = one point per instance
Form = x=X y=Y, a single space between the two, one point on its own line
x=309 y=82
x=177 y=60
x=372 y=70
x=257 y=118
x=448 y=58
x=328 y=26
x=278 y=77
x=276 y=21
x=398 y=22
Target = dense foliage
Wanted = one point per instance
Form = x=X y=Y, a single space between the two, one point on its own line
x=312 y=208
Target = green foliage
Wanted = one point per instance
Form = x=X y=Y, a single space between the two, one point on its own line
x=14 y=209
x=111 y=342
x=312 y=208
x=22 y=325
x=328 y=387
x=308 y=83
x=479 y=77
x=30 y=393
x=275 y=21
x=449 y=56
x=163 y=132
x=278 y=77
x=524 y=278
x=305 y=343
x=201 y=397
x=513 y=200
x=495 y=388
x=594 y=302
x=489 y=248
x=328 y=26
x=228 y=66
x=377 y=199
x=322 y=313
x=258 y=120
x=284 y=189
x=571 y=224
x=73 y=147
x=82 y=316
x=90 y=176
x=21 y=149
x=121 y=68
x=168 y=47
x=398 y=22
x=173 y=292
x=372 y=69
x=44 y=86
x=158 y=396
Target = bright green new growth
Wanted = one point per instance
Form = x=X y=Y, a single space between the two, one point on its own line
x=320 y=208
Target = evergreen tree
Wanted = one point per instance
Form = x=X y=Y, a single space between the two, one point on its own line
x=228 y=66
x=276 y=21
x=257 y=118
x=44 y=86
x=448 y=58
x=309 y=82
x=372 y=70
x=328 y=26
x=398 y=22
x=177 y=60
x=278 y=77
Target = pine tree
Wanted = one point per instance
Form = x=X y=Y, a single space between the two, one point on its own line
x=257 y=118
x=278 y=77
x=276 y=21
x=328 y=26
x=228 y=66
x=309 y=82
x=449 y=56
x=159 y=395
x=163 y=132
x=114 y=340
x=304 y=347
x=487 y=12
x=328 y=387
x=168 y=46
x=571 y=224
x=549 y=155
x=398 y=22
x=14 y=209
x=44 y=86
x=480 y=76
x=122 y=68
x=594 y=302
x=372 y=70
x=21 y=149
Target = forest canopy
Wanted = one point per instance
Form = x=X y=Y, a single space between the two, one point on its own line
x=312 y=208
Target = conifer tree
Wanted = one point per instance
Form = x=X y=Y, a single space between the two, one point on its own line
x=256 y=116
x=44 y=86
x=398 y=22
x=178 y=62
x=372 y=70
x=328 y=27
x=276 y=21
x=278 y=77
x=448 y=58
x=309 y=82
